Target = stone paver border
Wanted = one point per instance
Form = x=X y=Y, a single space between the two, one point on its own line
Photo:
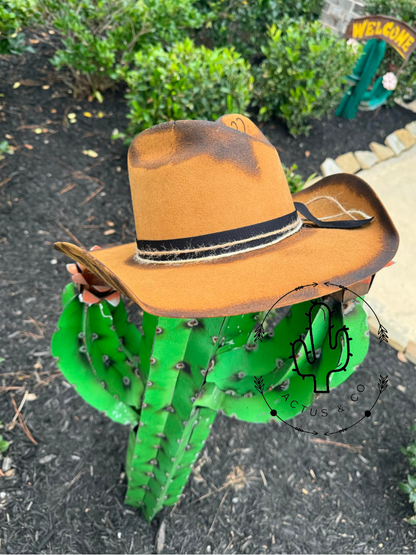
x=353 y=162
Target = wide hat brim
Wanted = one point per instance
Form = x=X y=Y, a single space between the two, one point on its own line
x=254 y=281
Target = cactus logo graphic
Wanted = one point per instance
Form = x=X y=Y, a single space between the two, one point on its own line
x=336 y=338
x=323 y=343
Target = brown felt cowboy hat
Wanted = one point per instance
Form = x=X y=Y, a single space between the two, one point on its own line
x=218 y=232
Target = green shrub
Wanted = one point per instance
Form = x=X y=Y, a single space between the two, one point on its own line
x=5 y=149
x=243 y=23
x=14 y=15
x=406 y=11
x=409 y=487
x=4 y=445
x=303 y=73
x=294 y=180
x=186 y=82
x=100 y=36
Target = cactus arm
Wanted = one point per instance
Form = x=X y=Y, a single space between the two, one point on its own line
x=270 y=358
x=300 y=393
x=261 y=358
x=73 y=362
x=240 y=384
x=288 y=403
x=108 y=356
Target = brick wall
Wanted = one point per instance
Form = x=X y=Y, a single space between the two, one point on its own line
x=338 y=13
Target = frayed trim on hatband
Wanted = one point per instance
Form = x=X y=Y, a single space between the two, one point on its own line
x=211 y=258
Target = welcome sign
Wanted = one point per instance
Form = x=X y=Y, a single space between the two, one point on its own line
x=393 y=31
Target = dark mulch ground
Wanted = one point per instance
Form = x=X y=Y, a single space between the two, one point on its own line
x=74 y=502
x=331 y=137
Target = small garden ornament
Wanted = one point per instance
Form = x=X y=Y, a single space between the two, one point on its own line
x=219 y=240
x=377 y=31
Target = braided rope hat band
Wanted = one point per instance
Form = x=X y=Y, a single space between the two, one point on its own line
x=235 y=241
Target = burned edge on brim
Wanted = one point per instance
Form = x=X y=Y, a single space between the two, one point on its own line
x=95 y=266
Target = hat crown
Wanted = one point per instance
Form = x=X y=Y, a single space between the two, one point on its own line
x=191 y=178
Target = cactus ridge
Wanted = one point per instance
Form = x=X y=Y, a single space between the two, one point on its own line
x=254 y=409
x=238 y=330
x=108 y=358
x=129 y=336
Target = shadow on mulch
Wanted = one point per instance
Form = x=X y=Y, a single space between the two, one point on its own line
x=66 y=495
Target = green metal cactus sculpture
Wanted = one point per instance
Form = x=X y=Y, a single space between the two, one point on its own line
x=169 y=381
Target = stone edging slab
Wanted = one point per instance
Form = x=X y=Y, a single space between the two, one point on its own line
x=353 y=162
